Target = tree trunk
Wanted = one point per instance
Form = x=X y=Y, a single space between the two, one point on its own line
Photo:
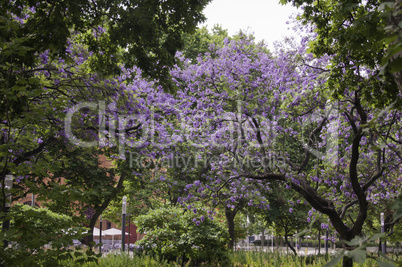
x=230 y=215
x=319 y=241
x=100 y=209
x=263 y=239
x=288 y=243
x=92 y=222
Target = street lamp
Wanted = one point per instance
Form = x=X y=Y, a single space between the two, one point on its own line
x=8 y=185
x=326 y=239
x=248 y=232
x=382 y=231
x=129 y=230
x=100 y=234
x=123 y=233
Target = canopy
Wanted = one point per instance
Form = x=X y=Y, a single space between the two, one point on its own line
x=112 y=231
x=96 y=232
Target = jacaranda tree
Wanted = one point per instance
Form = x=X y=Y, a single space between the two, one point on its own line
x=276 y=117
x=35 y=35
x=58 y=55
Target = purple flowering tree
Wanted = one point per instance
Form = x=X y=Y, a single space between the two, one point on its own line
x=274 y=115
x=43 y=75
x=61 y=119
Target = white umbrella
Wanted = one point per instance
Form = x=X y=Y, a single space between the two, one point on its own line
x=96 y=232
x=113 y=231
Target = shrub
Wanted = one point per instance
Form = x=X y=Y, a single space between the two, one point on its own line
x=172 y=233
x=266 y=242
x=32 y=229
x=118 y=260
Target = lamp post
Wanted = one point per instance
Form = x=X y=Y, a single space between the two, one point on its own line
x=129 y=230
x=100 y=234
x=248 y=233
x=123 y=233
x=382 y=231
x=319 y=241
x=326 y=241
x=8 y=182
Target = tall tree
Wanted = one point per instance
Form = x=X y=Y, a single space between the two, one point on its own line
x=278 y=109
x=34 y=35
x=43 y=72
x=358 y=34
x=287 y=214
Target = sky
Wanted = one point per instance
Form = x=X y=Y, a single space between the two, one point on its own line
x=265 y=18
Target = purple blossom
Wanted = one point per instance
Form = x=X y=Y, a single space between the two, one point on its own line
x=189 y=186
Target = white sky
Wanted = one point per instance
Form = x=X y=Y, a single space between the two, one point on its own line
x=265 y=18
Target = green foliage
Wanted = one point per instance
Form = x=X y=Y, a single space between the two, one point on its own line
x=144 y=33
x=198 y=43
x=239 y=258
x=359 y=253
x=255 y=258
x=172 y=233
x=86 y=183
x=357 y=34
x=119 y=260
x=285 y=213
x=397 y=206
x=392 y=12
x=33 y=228
x=240 y=229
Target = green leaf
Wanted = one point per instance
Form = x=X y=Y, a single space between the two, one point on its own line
x=395 y=65
x=390 y=39
x=384 y=264
x=386 y=6
x=338 y=256
x=357 y=241
x=302 y=233
x=376 y=237
x=397 y=206
x=358 y=255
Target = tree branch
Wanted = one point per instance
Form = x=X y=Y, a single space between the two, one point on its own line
x=310 y=143
x=350 y=204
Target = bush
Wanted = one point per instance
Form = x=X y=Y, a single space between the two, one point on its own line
x=237 y=259
x=174 y=234
x=266 y=242
x=32 y=229
x=258 y=242
x=119 y=260
x=304 y=243
x=257 y=258
x=311 y=243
